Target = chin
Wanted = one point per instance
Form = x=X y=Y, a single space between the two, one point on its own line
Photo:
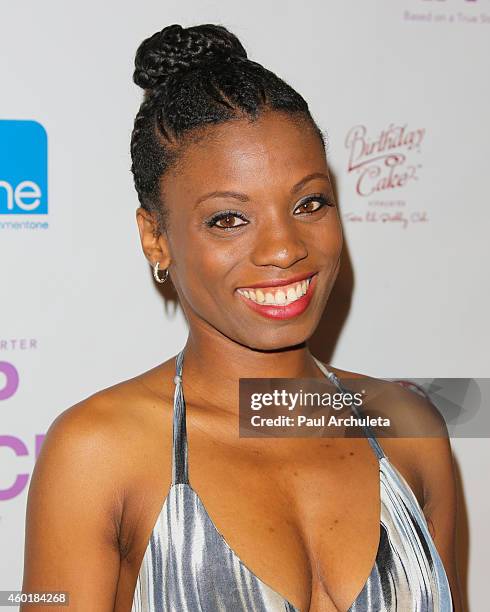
x=277 y=341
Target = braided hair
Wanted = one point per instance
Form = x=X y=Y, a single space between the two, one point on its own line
x=193 y=77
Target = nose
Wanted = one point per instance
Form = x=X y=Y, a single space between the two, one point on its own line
x=279 y=243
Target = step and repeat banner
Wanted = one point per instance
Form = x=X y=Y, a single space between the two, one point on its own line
x=401 y=90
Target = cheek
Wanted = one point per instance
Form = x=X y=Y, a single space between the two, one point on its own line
x=330 y=241
x=335 y=245
x=204 y=273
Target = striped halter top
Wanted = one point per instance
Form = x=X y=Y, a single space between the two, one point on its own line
x=189 y=567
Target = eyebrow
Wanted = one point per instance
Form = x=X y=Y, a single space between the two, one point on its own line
x=308 y=178
x=242 y=197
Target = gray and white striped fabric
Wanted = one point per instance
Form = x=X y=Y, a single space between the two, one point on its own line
x=189 y=567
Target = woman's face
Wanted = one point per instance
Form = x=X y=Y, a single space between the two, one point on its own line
x=273 y=175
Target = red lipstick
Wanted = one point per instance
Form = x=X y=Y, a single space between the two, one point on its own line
x=278 y=282
x=274 y=311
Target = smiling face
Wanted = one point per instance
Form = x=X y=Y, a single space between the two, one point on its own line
x=250 y=203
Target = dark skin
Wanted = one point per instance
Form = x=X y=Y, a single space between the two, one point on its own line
x=311 y=503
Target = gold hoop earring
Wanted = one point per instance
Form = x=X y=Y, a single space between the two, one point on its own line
x=155 y=273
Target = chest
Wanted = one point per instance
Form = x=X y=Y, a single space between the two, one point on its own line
x=304 y=519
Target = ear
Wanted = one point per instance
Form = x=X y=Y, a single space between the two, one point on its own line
x=154 y=243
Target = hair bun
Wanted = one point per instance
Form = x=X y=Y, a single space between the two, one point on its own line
x=177 y=50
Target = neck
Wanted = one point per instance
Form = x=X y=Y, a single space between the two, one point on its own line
x=213 y=366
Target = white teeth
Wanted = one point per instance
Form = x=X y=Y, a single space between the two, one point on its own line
x=281 y=296
x=260 y=296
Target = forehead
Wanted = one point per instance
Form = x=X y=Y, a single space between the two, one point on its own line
x=274 y=150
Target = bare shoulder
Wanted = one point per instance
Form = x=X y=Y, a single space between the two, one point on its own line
x=105 y=414
x=93 y=456
x=418 y=444
x=421 y=451
x=108 y=433
x=417 y=426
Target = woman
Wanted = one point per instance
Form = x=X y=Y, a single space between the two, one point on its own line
x=237 y=209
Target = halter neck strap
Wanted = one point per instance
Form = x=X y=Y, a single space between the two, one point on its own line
x=180 y=471
x=368 y=430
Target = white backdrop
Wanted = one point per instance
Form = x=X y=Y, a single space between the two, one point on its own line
x=402 y=90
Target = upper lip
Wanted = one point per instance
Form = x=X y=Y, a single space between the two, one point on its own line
x=277 y=282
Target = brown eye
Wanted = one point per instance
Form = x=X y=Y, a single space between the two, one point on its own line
x=318 y=201
x=226 y=220
x=303 y=207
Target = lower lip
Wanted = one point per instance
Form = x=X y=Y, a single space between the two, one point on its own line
x=272 y=311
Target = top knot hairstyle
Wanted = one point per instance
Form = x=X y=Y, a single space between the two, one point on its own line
x=193 y=77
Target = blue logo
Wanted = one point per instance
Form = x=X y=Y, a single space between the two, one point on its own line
x=23 y=168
